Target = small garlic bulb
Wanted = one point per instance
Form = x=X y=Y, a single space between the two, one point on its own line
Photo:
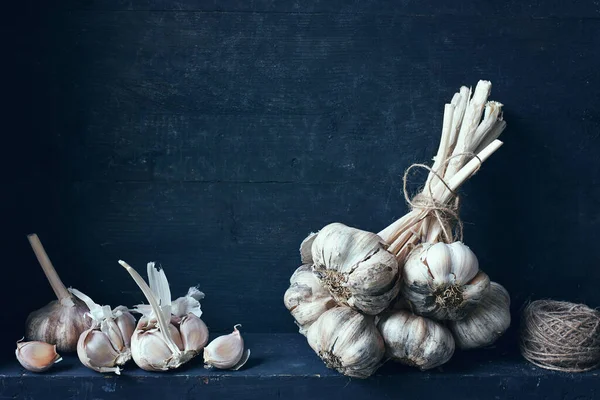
x=163 y=340
x=306 y=298
x=414 y=340
x=484 y=325
x=355 y=267
x=105 y=347
x=227 y=351
x=37 y=356
x=347 y=341
x=443 y=281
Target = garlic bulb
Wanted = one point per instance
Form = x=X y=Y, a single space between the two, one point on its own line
x=61 y=321
x=347 y=341
x=486 y=323
x=414 y=340
x=37 y=356
x=105 y=347
x=306 y=298
x=163 y=340
x=355 y=267
x=443 y=281
x=227 y=351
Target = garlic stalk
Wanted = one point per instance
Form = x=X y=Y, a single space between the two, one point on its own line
x=36 y=356
x=61 y=321
x=105 y=347
x=161 y=340
x=227 y=351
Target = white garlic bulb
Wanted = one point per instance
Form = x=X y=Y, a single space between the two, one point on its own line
x=105 y=347
x=306 y=298
x=162 y=340
x=355 y=267
x=414 y=340
x=227 y=351
x=347 y=341
x=484 y=325
x=443 y=281
x=36 y=356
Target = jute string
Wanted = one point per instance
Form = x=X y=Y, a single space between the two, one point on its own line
x=561 y=336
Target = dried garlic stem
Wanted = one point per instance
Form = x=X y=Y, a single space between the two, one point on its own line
x=59 y=288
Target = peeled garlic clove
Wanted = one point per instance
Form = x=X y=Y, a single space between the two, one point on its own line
x=37 y=356
x=307 y=298
x=484 y=325
x=356 y=268
x=443 y=281
x=95 y=350
x=194 y=333
x=347 y=341
x=414 y=340
x=227 y=351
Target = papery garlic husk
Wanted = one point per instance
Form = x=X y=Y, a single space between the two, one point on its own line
x=61 y=321
x=161 y=340
x=227 y=351
x=443 y=281
x=414 y=340
x=347 y=341
x=484 y=325
x=37 y=356
x=307 y=298
x=106 y=346
x=355 y=267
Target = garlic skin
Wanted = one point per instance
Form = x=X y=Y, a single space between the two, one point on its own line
x=355 y=267
x=484 y=325
x=163 y=340
x=443 y=281
x=105 y=347
x=307 y=298
x=37 y=356
x=415 y=341
x=347 y=341
x=227 y=351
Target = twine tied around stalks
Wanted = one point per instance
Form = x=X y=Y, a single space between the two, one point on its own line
x=446 y=214
x=561 y=336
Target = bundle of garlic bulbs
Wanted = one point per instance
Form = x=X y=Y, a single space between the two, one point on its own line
x=414 y=291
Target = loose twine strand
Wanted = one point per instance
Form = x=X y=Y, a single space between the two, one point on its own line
x=561 y=336
x=446 y=214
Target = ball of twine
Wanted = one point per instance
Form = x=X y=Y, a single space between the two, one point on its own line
x=561 y=336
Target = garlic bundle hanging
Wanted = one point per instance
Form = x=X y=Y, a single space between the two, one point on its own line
x=163 y=340
x=36 y=356
x=227 y=351
x=347 y=341
x=443 y=281
x=306 y=298
x=355 y=267
x=105 y=347
x=61 y=321
x=484 y=325
x=414 y=340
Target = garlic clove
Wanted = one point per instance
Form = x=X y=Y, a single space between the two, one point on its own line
x=126 y=324
x=466 y=261
x=149 y=351
x=96 y=352
x=110 y=328
x=36 y=356
x=306 y=249
x=439 y=263
x=194 y=333
x=226 y=352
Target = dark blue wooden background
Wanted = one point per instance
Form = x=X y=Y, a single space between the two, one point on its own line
x=212 y=136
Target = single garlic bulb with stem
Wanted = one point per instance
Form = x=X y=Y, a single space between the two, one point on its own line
x=347 y=341
x=484 y=325
x=227 y=351
x=443 y=281
x=355 y=267
x=414 y=340
x=307 y=298
x=36 y=356
x=61 y=321
x=162 y=340
x=105 y=347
